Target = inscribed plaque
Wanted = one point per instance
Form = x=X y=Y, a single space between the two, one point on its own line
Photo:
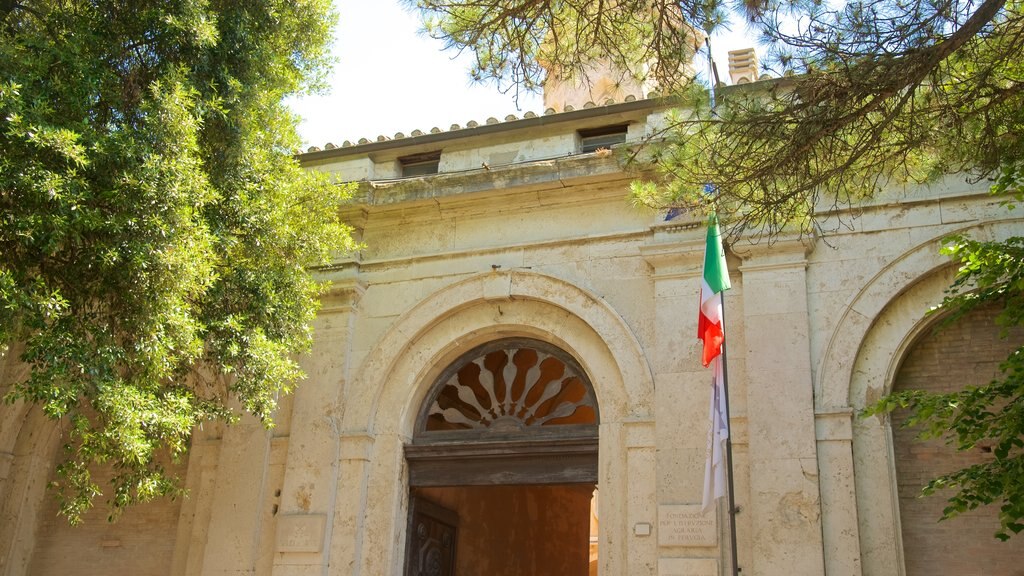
x=686 y=525
x=300 y=532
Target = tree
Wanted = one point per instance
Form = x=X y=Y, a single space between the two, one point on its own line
x=867 y=93
x=155 y=229
x=516 y=42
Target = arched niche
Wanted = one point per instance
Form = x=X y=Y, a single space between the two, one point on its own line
x=878 y=326
x=945 y=359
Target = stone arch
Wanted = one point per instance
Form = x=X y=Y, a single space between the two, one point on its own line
x=30 y=443
x=491 y=305
x=384 y=398
x=35 y=539
x=880 y=322
x=897 y=326
x=838 y=384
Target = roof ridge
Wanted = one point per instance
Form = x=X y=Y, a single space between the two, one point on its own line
x=474 y=124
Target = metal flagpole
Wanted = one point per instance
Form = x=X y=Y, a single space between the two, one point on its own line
x=733 y=509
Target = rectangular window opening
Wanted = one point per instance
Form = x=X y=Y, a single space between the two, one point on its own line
x=420 y=164
x=593 y=139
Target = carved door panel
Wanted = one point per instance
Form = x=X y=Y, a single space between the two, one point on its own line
x=431 y=540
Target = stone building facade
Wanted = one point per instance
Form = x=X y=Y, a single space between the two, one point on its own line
x=506 y=381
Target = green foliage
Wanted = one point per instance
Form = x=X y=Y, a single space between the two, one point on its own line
x=513 y=40
x=991 y=415
x=865 y=93
x=155 y=230
x=871 y=93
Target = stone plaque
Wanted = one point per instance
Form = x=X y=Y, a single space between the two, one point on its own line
x=300 y=532
x=685 y=525
x=687 y=567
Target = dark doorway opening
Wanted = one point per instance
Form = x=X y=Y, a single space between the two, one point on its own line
x=537 y=530
x=503 y=466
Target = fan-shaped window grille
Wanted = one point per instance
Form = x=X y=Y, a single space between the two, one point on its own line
x=513 y=388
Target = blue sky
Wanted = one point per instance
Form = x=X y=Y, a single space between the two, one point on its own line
x=390 y=78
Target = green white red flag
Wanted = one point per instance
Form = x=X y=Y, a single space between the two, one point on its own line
x=715 y=281
x=711 y=330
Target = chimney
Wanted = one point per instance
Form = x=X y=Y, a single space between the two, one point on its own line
x=743 y=66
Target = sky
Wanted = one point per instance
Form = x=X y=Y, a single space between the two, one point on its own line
x=389 y=77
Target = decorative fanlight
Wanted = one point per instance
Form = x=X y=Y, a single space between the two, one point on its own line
x=509 y=386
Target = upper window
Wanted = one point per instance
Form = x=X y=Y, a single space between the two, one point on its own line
x=420 y=164
x=593 y=139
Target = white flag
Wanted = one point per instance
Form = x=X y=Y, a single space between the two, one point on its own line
x=718 y=435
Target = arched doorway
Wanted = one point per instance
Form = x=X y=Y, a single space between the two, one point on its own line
x=965 y=353
x=503 y=465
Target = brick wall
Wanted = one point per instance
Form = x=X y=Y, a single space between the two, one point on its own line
x=139 y=543
x=957 y=356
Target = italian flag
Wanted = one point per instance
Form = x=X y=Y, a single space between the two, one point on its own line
x=711 y=331
x=714 y=282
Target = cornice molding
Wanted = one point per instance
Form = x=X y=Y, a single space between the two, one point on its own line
x=785 y=252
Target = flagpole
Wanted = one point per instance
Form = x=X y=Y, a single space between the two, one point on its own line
x=711 y=329
x=728 y=449
x=723 y=358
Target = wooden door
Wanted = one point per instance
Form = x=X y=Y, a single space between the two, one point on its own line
x=432 y=536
